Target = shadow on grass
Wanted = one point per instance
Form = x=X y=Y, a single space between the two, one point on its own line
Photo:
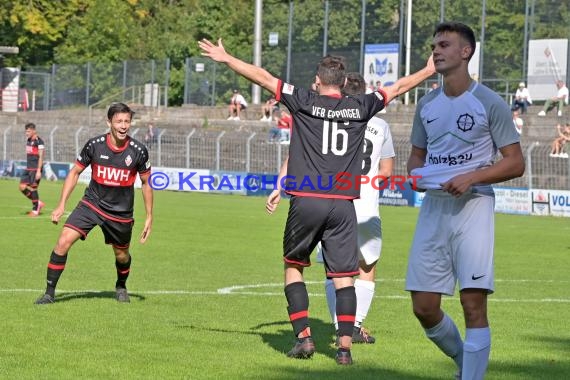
x=284 y=340
x=536 y=369
x=323 y=333
x=356 y=372
x=71 y=296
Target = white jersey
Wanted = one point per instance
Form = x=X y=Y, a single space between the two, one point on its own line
x=461 y=134
x=378 y=145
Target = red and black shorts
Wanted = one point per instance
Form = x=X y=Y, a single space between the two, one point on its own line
x=85 y=217
x=28 y=177
x=328 y=220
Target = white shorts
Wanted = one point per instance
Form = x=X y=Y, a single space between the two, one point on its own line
x=453 y=242
x=369 y=240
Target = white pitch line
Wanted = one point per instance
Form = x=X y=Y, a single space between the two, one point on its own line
x=239 y=290
x=25 y=216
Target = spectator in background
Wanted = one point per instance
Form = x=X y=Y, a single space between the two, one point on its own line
x=517 y=121
x=151 y=136
x=282 y=131
x=378 y=85
x=237 y=104
x=271 y=105
x=522 y=99
x=560 y=141
x=558 y=101
x=434 y=86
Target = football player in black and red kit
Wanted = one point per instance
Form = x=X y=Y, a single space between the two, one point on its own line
x=326 y=149
x=31 y=177
x=115 y=159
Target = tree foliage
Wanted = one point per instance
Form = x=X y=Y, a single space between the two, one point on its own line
x=111 y=31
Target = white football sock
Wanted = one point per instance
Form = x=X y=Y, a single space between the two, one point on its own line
x=446 y=336
x=476 y=350
x=331 y=300
x=364 y=295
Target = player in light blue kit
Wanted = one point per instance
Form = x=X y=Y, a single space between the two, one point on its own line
x=456 y=132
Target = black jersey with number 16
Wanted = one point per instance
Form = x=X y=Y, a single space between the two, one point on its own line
x=325 y=155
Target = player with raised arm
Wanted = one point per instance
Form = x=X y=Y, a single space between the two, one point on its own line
x=327 y=140
x=378 y=161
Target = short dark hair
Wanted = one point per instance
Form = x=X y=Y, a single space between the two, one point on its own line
x=118 y=107
x=355 y=84
x=457 y=27
x=30 y=126
x=331 y=70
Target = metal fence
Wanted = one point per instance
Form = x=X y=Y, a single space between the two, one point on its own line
x=88 y=85
x=231 y=150
x=149 y=83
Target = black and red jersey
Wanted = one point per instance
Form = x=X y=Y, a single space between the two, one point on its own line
x=33 y=148
x=113 y=173
x=325 y=155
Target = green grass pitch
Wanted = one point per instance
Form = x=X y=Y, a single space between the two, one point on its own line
x=207 y=299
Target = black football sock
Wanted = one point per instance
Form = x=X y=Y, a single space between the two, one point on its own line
x=34 y=197
x=55 y=268
x=345 y=310
x=123 y=270
x=27 y=193
x=298 y=309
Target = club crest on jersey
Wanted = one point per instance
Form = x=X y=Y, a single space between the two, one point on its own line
x=128 y=160
x=465 y=122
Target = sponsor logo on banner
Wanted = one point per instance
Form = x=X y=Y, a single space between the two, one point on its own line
x=560 y=203
x=540 y=200
x=512 y=201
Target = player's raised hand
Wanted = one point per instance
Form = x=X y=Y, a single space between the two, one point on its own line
x=273 y=201
x=56 y=214
x=430 y=65
x=215 y=52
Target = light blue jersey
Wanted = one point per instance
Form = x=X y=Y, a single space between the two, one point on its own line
x=461 y=134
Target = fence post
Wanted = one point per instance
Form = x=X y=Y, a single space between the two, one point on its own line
x=6 y=142
x=278 y=157
x=53 y=85
x=135 y=132
x=529 y=162
x=248 y=153
x=51 y=150
x=159 y=149
x=166 y=82
x=187 y=81
x=77 y=139
x=218 y=149
x=188 y=147
x=124 y=79
x=152 y=80
x=213 y=100
x=88 y=85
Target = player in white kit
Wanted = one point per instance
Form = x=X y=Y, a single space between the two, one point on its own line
x=456 y=132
